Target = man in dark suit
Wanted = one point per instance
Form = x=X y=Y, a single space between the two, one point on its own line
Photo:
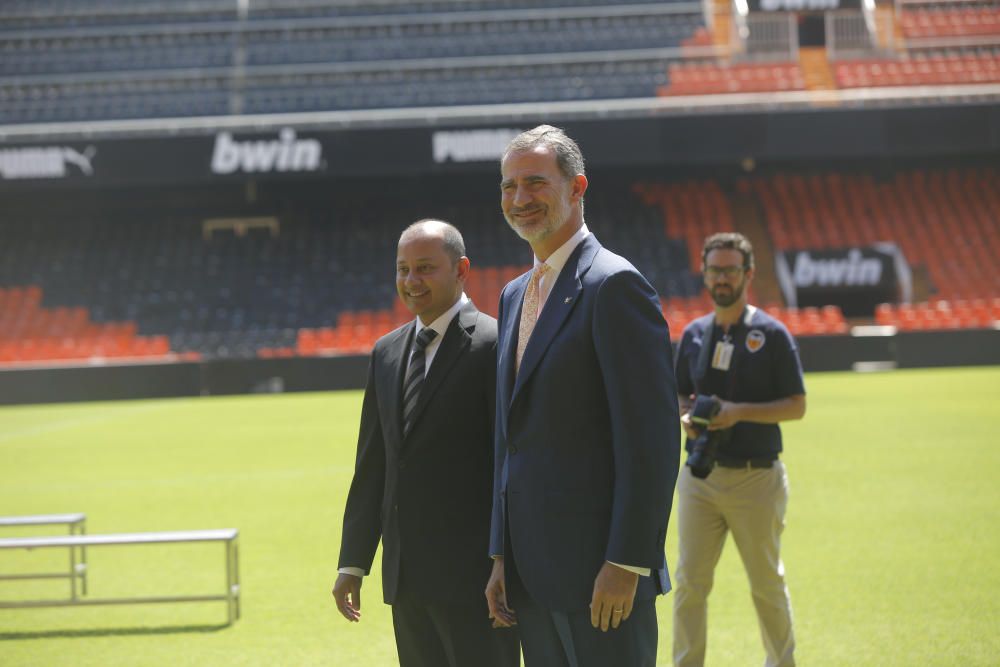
x=424 y=470
x=587 y=429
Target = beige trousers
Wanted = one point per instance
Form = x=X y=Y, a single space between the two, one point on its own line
x=749 y=503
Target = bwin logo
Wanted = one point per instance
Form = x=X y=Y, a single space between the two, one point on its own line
x=284 y=154
x=855 y=270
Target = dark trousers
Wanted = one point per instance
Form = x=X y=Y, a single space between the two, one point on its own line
x=451 y=636
x=567 y=639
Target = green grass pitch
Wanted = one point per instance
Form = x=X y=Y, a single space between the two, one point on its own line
x=891 y=547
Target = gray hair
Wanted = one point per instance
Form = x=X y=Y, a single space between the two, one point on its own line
x=451 y=238
x=569 y=158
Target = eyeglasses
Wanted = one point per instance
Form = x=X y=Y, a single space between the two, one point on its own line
x=716 y=272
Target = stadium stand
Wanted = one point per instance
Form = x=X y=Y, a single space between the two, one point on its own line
x=691 y=211
x=934 y=70
x=711 y=78
x=914 y=43
x=78 y=13
x=336 y=41
x=940 y=314
x=175 y=288
x=29 y=332
x=944 y=220
x=108 y=59
x=169 y=288
x=950 y=22
x=309 y=287
x=161 y=60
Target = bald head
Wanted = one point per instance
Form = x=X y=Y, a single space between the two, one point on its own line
x=431 y=268
x=432 y=228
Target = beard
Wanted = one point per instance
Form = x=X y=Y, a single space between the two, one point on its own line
x=727 y=295
x=556 y=214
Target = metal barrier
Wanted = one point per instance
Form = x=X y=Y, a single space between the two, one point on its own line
x=77 y=523
x=854 y=34
x=229 y=536
x=763 y=36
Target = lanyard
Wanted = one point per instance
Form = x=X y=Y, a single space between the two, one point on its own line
x=707 y=351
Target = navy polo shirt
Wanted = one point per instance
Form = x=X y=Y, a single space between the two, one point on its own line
x=765 y=367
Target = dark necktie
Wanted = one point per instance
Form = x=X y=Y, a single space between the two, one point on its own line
x=415 y=377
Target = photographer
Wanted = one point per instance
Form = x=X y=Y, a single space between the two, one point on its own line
x=738 y=375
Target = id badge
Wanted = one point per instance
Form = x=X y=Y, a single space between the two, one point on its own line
x=723 y=355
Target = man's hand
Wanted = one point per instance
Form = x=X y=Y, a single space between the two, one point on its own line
x=728 y=415
x=688 y=426
x=496 y=597
x=614 y=593
x=685 y=403
x=347 y=593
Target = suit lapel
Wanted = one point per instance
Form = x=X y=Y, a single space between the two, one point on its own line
x=456 y=341
x=507 y=352
x=562 y=299
x=396 y=356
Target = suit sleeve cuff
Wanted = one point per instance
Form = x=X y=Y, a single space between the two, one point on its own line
x=354 y=571
x=641 y=571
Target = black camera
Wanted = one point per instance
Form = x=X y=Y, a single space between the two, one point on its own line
x=702 y=450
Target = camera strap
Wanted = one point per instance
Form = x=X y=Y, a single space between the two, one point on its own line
x=707 y=351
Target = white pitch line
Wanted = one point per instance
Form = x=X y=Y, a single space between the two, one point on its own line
x=53 y=426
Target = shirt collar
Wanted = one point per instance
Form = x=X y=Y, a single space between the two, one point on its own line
x=441 y=323
x=557 y=260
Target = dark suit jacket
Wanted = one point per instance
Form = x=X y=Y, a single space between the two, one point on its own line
x=428 y=496
x=587 y=435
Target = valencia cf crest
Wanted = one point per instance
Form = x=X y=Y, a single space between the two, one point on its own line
x=755 y=340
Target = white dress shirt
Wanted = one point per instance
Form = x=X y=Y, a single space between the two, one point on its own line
x=556 y=262
x=440 y=325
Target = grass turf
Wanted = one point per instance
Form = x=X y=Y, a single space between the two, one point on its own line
x=890 y=547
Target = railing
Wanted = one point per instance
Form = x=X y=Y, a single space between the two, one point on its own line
x=763 y=36
x=852 y=34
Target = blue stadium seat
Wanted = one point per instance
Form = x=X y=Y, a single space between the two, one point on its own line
x=111 y=59
x=231 y=296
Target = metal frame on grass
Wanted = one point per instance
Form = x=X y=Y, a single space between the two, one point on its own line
x=228 y=536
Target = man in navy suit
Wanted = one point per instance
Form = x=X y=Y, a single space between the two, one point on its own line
x=587 y=429
x=424 y=470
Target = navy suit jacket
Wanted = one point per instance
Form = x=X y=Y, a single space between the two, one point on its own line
x=587 y=433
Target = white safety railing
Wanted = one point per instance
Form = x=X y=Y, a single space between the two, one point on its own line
x=763 y=36
x=853 y=34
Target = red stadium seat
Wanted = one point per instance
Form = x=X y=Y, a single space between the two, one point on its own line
x=713 y=79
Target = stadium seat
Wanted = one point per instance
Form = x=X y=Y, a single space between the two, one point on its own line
x=94 y=61
x=710 y=78
x=919 y=211
x=934 y=69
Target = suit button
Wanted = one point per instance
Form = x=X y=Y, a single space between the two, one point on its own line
x=512 y=449
x=395 y=508
x=402 y=465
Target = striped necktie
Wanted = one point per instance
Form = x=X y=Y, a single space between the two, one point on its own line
x=529 y=311
x=415 y=377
